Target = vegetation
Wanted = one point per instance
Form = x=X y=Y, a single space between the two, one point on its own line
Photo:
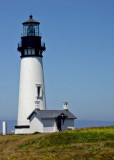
x=80 y=144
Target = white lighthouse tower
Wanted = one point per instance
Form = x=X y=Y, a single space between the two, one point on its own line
x=32 y=113
x=32 y=90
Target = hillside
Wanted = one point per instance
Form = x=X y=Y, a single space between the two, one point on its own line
x=80 y=144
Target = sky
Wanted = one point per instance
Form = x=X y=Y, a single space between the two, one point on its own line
x=79 y=58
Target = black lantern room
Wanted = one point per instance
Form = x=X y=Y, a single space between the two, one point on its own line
x=31 y=40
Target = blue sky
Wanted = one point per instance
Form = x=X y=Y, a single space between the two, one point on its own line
x=79 y=57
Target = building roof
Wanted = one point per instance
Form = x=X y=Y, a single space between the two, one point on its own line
x=31 y=20
x=50 y=114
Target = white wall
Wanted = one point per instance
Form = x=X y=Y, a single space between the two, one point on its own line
x=36 y=124
x=55 y=126
x=49 y=125
x=31 y=74
x=67 y=123
x=22 y=131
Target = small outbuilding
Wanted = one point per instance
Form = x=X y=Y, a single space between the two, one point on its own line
x=46 y=121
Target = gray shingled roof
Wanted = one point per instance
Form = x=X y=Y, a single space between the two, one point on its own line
x=48 y=114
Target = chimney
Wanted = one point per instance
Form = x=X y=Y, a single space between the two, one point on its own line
x=65 y=105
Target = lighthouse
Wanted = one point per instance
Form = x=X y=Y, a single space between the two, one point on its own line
x=31 y=90
x=32 y=113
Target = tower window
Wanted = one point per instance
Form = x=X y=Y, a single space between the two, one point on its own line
x=37 y=103
x=33 y=51
x=25 y=52
x=40 y=53
x=39 y=91
x=30 y=30
x=29 y=51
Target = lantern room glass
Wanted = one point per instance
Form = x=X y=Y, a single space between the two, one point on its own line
x=31 y=29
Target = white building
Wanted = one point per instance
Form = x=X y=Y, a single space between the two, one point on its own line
x=32 y=105
x=47 y=121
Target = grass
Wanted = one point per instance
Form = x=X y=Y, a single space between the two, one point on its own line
x=81 y=144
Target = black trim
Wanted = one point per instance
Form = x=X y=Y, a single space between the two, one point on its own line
x=31 y=42
x=31 y=56
x=22 y=126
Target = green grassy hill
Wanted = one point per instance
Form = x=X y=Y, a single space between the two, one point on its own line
x=80 y=144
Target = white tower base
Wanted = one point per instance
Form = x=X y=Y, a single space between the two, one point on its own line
x=32 y=92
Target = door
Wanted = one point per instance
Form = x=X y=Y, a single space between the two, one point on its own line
x=59 y=124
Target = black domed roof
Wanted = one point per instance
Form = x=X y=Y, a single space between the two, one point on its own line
x=31 y=20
